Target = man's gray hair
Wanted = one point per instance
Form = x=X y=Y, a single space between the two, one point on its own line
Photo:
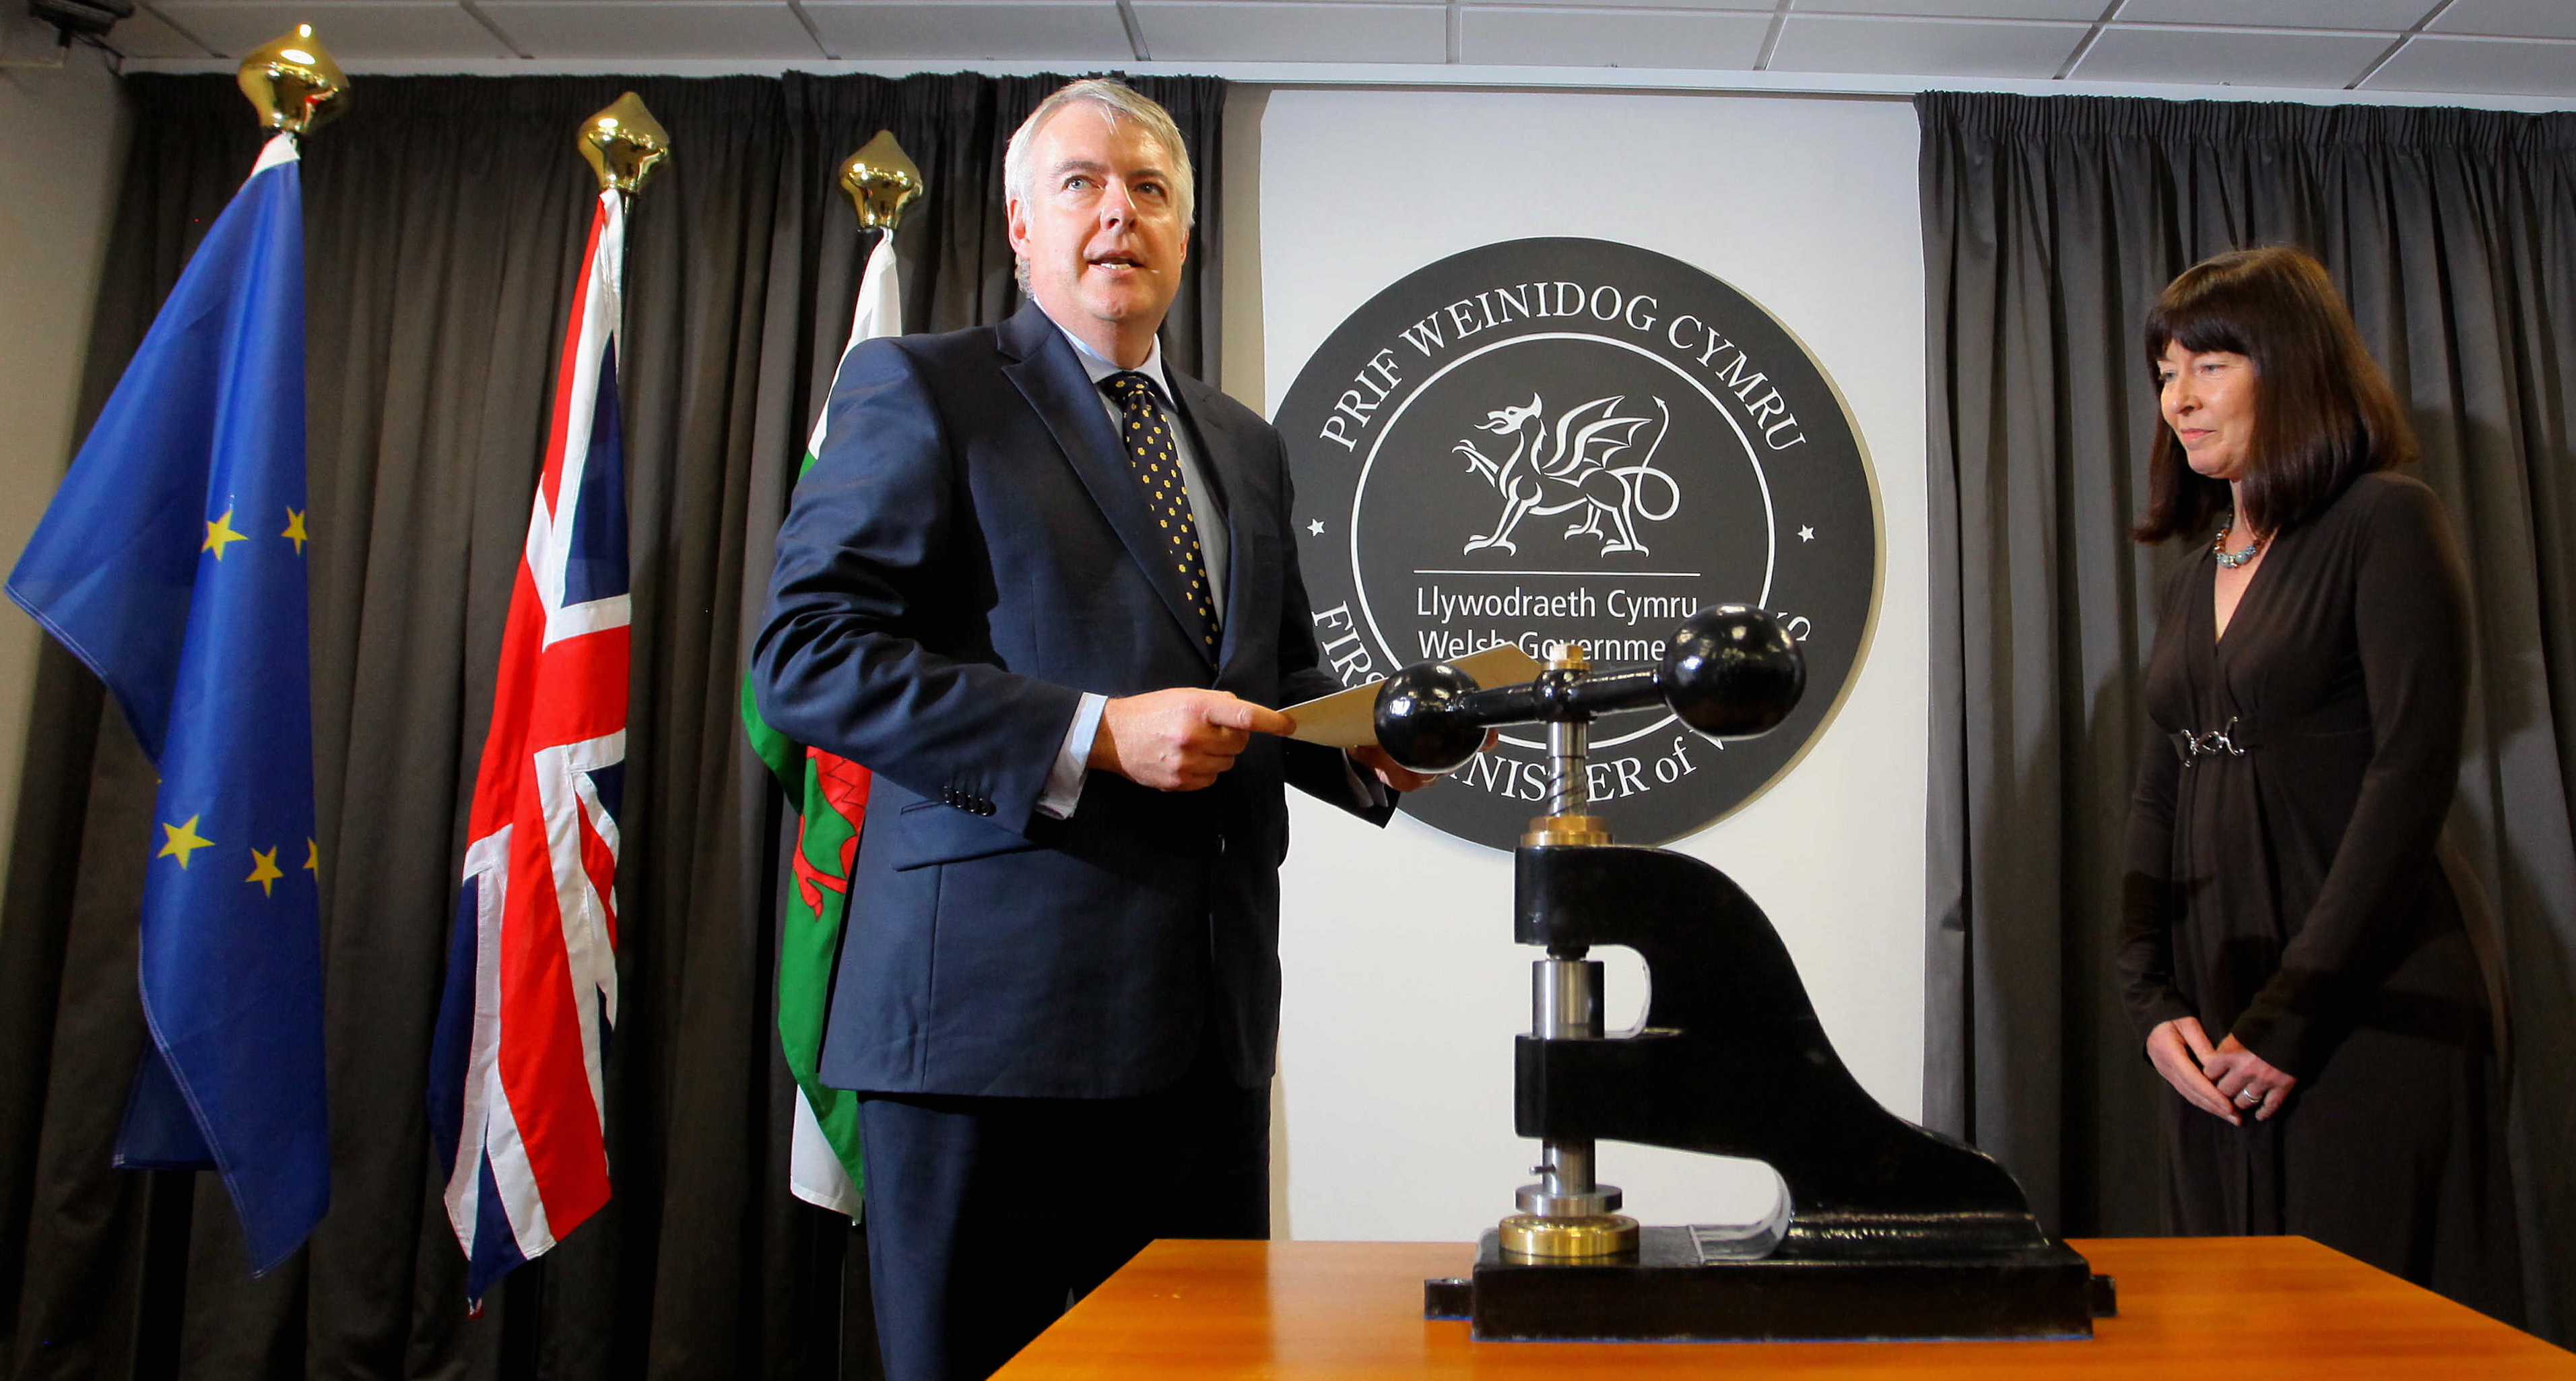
x=1119 y=102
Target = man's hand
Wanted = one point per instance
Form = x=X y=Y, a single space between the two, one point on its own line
x=1179 y=739
x=1396 y=775
x=1399 y=777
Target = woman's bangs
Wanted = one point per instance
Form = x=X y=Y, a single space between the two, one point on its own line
x=2198 y=319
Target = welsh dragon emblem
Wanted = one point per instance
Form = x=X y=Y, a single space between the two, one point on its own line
x=1580 y=464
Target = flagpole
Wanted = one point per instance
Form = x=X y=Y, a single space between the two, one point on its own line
x=624 y=146
x=518 y=1085
x=171 y=562
x=882 y=182
x=293 y=83
x=829 y=793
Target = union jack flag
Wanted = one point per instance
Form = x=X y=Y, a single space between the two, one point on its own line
x=516 y=1094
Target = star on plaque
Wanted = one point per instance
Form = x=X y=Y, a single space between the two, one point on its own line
x=1806 y=534
x=1316 y=527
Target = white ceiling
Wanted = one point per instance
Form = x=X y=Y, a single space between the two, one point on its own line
x=2523 y=48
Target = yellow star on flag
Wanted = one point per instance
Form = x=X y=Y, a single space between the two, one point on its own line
x=183 y=840
x=312 y=858
x=295 y=530
x=219 y=532
x=263 y=870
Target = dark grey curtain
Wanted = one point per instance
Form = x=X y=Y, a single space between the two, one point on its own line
x=2050 y=224
x=444 y=223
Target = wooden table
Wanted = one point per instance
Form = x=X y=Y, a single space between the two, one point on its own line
x=2234 y=1308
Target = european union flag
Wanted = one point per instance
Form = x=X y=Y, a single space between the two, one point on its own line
x=172 y=562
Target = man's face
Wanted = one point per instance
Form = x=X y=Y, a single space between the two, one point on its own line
x=1104 y=242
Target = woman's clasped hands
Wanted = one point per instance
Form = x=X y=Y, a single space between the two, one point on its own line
x=2226 y=1080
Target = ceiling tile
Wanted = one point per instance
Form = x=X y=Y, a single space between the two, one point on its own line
x=2509 y=18
x=354 y=30
x=1738 y=6
x=2228 y=57
x=1581 y=38
x=2394 y=16
x=653 y=29
x=1251 y=31
x=2084 y=10
x=2482 y=66
x=144 y=35
x=1090 y=30
x=1925 y=47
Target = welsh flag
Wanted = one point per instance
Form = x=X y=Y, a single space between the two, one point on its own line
x=833 y=791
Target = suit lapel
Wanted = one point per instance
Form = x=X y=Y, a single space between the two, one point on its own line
x=1044 y=370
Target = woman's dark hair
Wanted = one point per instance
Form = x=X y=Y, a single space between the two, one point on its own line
x=2323 y=413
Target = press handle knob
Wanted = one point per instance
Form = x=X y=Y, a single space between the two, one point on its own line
x=1732 y=672
x=1728 y=671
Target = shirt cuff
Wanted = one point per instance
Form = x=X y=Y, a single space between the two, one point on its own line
x=1064 y=781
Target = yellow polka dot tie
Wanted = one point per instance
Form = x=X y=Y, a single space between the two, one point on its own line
x=1150 y=456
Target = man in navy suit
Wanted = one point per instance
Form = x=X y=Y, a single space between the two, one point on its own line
x=1046 y=589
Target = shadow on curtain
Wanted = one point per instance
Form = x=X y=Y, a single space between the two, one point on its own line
x=444 y=221
x=2050 y=224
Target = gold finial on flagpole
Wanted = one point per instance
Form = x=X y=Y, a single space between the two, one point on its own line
x=881 y=182
x=294 y=83
x=624 y=144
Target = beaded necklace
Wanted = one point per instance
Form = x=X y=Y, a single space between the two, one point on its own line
x=2232 y=560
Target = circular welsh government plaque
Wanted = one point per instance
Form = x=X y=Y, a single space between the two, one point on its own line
x=1568 y=440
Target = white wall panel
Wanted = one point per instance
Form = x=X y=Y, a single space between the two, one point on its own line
x=1403 y=986
x=60 y=165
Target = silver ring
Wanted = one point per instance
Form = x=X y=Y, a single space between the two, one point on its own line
x=2249 y=1097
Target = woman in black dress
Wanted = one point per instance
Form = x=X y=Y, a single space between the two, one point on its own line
x=2292 y=950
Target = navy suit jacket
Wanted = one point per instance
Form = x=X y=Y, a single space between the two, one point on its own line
x=968 y=554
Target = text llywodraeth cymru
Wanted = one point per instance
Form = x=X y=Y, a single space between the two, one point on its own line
x=1626 y=606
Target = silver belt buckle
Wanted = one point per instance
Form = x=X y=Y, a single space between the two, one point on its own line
x=2212 y=742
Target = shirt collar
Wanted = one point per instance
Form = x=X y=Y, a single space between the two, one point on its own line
x=1100 y=368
